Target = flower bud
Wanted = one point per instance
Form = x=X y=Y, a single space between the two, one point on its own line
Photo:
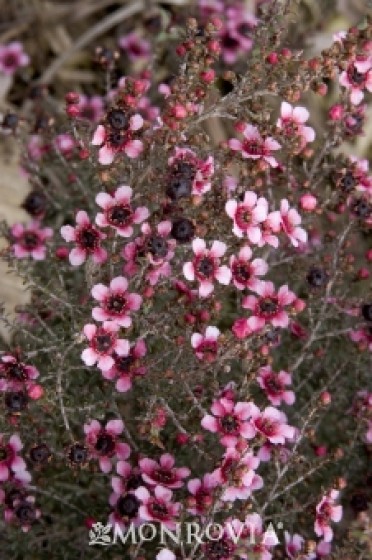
x=308 y=202
x=325 y=398
x=336 y=112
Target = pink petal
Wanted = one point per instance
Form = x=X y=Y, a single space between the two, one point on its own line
x=105 y=464
x=103 y=200
x=4 y=473
x=210 y=423
x=136 y=122
x=89 y=357
x=205 y=289
x=15 y=442
x=105 y=363
x=188 y=271
x=230 y=207
x=123 y=384
x=115 y=427
x=122 y=347
x=18 y=464
x=119 y=284
x=133 y=148
x=223 y=275
x=235 y=144
x=106 y=155
x=68 y=233
x=77 y=256
x=218 y=249
x=99 y=136
x=300 y=114
x=196 y=339
x=100 y=292
x=100 y=255
x=286 y=110
x=141 y=213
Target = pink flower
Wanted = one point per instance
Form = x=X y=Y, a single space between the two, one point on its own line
x=103 y=342
x=290 y=221
x=158 y=507
x=205 y=346
x=188 y=174
x=116 y=302
x=135 y=47
x=271 y=425
x=244 y=271
x=129 y=479
x=30 y=240
x=125 y=509
x=22 y=510
x=10 y=462
x=12 y=57
x=292 y=121
x=90 y=108
x=163 y=473
x=118 y=212
x=274 y=385
x=14 y=373
x=357 y=77
x=254 y=146
x=237 y=474
x=230 y=420
x=248 y=215
x=87 y=238
x=205 y=266
x=127 y=367
x=165 y=554
x=103 y=443
x=327 y=511
x=201 y=491
x=363 y=336
x=65 y=144
x=293 y=544
x=269 y=308
x=259 y=541
x=118 y=136
x=308 y=202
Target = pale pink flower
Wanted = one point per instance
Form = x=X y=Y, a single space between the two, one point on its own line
x=14 y=373
x=12 y=57
x=126 y=368
x=103 y=342
x=274 y=385
x=292 y=120
x=30 y=240
x=163 y=472
x=237 y=474
x=118 y=212
x=113 y=140
x=357 y=77
x=205 y=267
x=116 y=303
x=91 y=108
x=103 y=442
x=293 y=544
x=230 y=420
x=327 y=511
x=290 y=222
x=201 y=491
x=22 y=511
x=271 y=424
x=158 y=248
x=248 y=216
x=158 y=507
x=65 y=143
x=254 y=146
x=10 y=462
x=206 y=346
x=87 y=238
x=245 y=271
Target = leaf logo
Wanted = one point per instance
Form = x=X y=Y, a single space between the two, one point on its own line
x=99 y=534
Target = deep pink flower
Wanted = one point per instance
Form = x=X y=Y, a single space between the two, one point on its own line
x=205 y=266
x=103 y=442
x=118 y=137
x=268 y=308
x=103 y=342
x=90 y=108
x=230 y=420
x=188 y=174
x=254 y=146
x=118 y=212
x=10 y=462
x=271 y=425
x=201 y=491
x=129 y=479
x=357 y=77
x=158 y=507
x=12 y=57
x=248 y=215
x=135 y=47
x=116 y=303
x=290 y=221
x=292 y=120
x=127 y=367
x=163 y=473
x=293 y=544
x=274 y=385
x=244 y=271
x=327 y=511
x=87 y=238
x=206 y=346
x=123 y=501
x=237 y=474
x=30 y=240
x=158 y=248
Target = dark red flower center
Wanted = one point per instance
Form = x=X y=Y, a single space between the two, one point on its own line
x=229 y=424
x=273 y=384
x=253 y=147
x=103 y=342
x=128 y=505
x=266 y=426
x=116 y=304
x=229 y=42
x=164 y=475
x=157 y=246
x=105 y=444
x=30 y=240
x=88 y=238
x=355 y=77
x=25 y=512
x=181 y=179
x=124 y=363
x=268 y=307
x=4 y=453
x=16 y=371
x=10 y=60
x=78 y=454
x=117 y=119
x=218 y=550
x=205 y=267
x=134 y=481
x=159 y=510
x=242 y=272
x=115 y=139
x=119 y=215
